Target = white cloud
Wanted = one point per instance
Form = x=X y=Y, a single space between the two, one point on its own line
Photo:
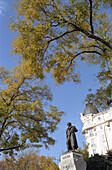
x=3 y=7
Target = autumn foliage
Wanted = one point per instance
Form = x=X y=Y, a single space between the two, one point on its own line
x=52 y=36
x=27 y=117
x=57 y=35
x=29 y=162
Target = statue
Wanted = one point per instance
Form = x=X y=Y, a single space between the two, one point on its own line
x=71 y=137
x=72 y=160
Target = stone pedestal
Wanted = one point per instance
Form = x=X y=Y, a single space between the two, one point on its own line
x=72 y=161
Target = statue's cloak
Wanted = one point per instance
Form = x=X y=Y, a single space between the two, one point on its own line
x=71 y=137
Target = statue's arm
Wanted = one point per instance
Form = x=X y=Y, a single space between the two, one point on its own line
x=66 y=132
x=75 y=129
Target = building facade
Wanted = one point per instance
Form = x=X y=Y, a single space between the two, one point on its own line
x=97 y=129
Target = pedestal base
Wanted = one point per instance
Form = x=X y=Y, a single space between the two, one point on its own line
x=72 y=161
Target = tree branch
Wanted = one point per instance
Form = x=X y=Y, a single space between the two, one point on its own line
x=91 y=22
x=14 y=121
x=67 y=32
x=10 y=148
x=87 y=52
x=3 y=126
x=109 y=102
x=95 y=46
x=30 y=117
x=83 y=53
x=4 y=100
x=95 y=37
x=88 y=34
x=14 y=96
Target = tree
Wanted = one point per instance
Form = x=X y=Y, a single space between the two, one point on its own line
x=56 y=35
x=29 y=161
x=99 y=162
x=102 y=98
x=26 y=116
x=96 y=162
x=84 y=152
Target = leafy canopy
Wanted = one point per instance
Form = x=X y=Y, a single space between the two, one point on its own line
x=26 y=116
x=84 y=152
x=30 y=161
x=102 y=98
x=55 y=35
x=99 y=162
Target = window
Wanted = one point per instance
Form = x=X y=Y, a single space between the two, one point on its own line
x=88 y=122
x=92 y=142
x=90 y=132
x=111 y=124
x=105 y=148
x=108 y=124
x=103 y=137
x=99 y=118
x=94 y=151
x=110 y=114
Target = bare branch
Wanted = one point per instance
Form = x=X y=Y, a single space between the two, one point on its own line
x=4 y=125
x=83 y=53
x=14 y=96
x=95 y=46
x=95 y=37
x=91 y=22
x=109 y=102
x=10 y=148
x=4 y=100
x=88 y=34
x=65 y=33
x=87 y=52
x=2 y=128
x=30 y=117
x=14 y=121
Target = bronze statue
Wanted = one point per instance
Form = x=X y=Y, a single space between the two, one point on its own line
x=71 y=137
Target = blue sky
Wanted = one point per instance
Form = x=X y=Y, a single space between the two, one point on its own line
x=68 y=97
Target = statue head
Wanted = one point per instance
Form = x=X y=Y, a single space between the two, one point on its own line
x=69 y=124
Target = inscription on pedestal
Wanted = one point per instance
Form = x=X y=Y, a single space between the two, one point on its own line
x=72 y=161
x=65 y=157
